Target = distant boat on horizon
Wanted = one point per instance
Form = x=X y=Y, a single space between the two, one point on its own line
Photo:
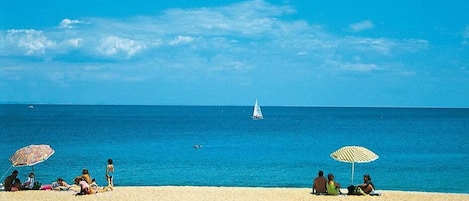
x=257 y=113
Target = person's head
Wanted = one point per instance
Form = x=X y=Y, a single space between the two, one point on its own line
x=15 y=172
x=60 y=180
x=109 y=161
x=31 y=175
x=85 y=171
x=330 y=177
x=320 y=173
x=366 y=177
x=77 y=180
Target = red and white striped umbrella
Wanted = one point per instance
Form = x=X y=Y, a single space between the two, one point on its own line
x=354 y=154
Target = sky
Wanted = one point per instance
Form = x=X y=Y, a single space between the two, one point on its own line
x=224 y=52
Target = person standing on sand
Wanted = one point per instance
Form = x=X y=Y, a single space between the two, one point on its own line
x=319 y=183
x=110 y=174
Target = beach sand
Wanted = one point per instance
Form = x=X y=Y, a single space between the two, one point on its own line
x=173 y=193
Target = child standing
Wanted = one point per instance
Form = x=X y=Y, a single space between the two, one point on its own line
x=109 y=174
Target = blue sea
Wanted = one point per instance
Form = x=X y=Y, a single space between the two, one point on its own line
x=420 y=149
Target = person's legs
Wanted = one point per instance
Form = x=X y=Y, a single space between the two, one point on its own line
x=109 y=183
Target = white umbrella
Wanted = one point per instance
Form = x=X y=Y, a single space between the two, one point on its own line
x=354 y=154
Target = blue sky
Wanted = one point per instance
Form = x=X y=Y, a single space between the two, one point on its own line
x=284 y=53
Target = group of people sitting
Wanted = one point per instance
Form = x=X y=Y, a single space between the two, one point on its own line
x=88 y=185
x=13 y=183
x=323 y=186
x=83 y=184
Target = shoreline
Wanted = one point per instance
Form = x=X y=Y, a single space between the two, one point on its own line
x=171 y=193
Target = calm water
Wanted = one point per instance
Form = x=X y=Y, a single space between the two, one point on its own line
x=419 y=149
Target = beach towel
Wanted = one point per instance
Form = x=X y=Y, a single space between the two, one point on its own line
x=374 y=193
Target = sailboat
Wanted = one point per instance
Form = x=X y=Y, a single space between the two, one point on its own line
x=257 y=113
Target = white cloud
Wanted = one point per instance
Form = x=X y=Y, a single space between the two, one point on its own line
x=29 y=42
x=361 y=26
x=181 y=40
x=360 y=67
x=254 y=32
x=351 y=66
x=301 y=53
x=74 y=42
x=68 y=23
x=114 y=45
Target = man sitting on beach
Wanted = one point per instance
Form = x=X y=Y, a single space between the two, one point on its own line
x=319 y=183
x=10 y=180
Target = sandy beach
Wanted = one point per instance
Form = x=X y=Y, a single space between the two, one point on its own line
x=173 y=193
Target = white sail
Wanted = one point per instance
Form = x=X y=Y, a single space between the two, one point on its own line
x=257 y=114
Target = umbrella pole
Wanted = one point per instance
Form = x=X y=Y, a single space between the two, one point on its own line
x=6 y=172
x=353 y=169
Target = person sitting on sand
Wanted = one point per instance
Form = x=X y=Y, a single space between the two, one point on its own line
x=86 y=189
x=10 y=180
x=333 y=188
x=86 y=176
x=60 y=185
x=29 y=183
x=319 y=183
x=16 y=185
x=367 y=185
x=84 y=186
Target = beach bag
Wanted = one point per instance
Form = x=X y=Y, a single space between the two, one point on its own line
x=36 y=186
x=355 y=190
x=351 y=190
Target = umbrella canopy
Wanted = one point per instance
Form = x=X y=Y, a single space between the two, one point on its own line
x=354 y=154
x=31 y=155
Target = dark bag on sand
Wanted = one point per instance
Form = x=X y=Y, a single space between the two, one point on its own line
x=351 y=190
x=355 y=190
x=36 y=186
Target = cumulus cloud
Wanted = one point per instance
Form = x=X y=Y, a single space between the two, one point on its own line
x=68 y=23
x=29 y=42
x=361 y=26
x=252 y=30
x=113 y=45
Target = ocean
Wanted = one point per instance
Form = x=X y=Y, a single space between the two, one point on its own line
x=420 y=149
